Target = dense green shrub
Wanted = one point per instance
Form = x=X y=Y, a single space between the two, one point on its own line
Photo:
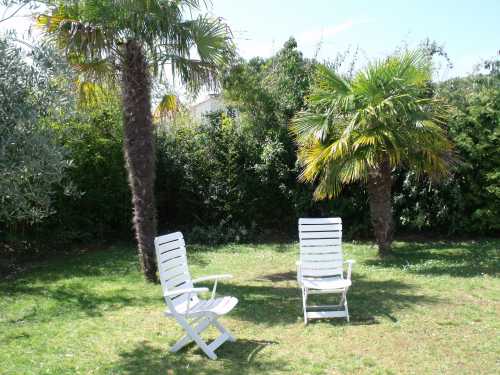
x=469 y=201
x=101 y=210
x=217 y=178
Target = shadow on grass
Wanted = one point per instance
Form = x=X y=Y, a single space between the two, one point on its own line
x=74 y=300
x=107 y=264
x=240 y=357
x=467 y=259
x=261 y=301
x=368 y=300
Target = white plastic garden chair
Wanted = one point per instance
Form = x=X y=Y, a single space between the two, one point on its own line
x=192 y=313
x=320 y=269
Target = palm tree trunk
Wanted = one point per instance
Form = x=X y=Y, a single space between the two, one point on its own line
x=139 y=152
x=380 y=200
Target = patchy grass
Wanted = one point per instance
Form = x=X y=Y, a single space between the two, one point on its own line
x=434 y=308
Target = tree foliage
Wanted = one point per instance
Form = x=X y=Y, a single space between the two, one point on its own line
x=468 y=201
x=32 y=164
x=100 y=210
x=93 y=34
x=386 y=111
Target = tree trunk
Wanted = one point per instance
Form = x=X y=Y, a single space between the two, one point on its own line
x=139 y=152
x=379 y=196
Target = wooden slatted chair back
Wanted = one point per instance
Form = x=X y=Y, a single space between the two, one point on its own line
x=321 y=247
x=173 y=268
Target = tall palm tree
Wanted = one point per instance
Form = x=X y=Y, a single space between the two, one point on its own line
x=128 y=41
x=362 y=129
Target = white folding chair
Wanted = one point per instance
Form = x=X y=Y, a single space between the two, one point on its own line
x=192 y=313
x=320 y=268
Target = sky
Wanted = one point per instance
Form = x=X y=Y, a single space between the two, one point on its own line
x=469 y=30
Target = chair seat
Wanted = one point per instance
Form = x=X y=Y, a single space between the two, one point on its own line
x=217 y=306
x=326 y=283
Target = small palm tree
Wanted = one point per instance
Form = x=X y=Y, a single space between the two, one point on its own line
x=128 y=41
x=362 y=129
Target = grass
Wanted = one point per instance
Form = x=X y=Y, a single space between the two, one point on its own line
x=432 y=309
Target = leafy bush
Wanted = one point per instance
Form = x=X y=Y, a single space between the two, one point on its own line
x=469 y=201
x=101 y=209
x=31 y=163
x=210 y=176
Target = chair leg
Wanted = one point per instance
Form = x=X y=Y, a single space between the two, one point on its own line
x=347 y=311
x=203 y=346
x=186 y=339
x=344 y=302
x=223 y=330
x=304 y=304
x=192 y=334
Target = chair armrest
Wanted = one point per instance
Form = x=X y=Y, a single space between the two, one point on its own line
x=212 y=277
x=185 y=290
x=349 y=262
x=299 y=274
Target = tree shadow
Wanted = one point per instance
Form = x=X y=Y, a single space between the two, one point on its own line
x=467 y=259
x=240 y=357
x=281 y=302
x=109 y=264
x=75 y=300
x=370 y=300
x=277 y=277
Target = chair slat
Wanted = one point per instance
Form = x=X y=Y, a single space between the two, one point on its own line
x=174 y=272
x=172 y=254
x=327 y=314
x=160 y=240
x=327 y=220
x=172 y=263
x=322 y=264
x=312 y=235
x=320 y=228
x=319 y=242
x=321 y=257
x=320 y=249
x=175 y=282
x=322 y=272
x=172 y=246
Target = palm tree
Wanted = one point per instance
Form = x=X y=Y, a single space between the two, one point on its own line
x=128 y=41
x=363 y=128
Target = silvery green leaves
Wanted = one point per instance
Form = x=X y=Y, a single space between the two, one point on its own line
x=31 y=163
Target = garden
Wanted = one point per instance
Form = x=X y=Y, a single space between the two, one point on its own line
x=101 y=152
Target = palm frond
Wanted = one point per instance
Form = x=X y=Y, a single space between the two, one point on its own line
x=195 y=50
x=386 y=112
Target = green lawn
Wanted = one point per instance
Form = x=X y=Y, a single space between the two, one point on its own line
x=432 y=309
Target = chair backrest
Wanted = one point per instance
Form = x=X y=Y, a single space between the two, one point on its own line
x=321 y=247
x=173 y=267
